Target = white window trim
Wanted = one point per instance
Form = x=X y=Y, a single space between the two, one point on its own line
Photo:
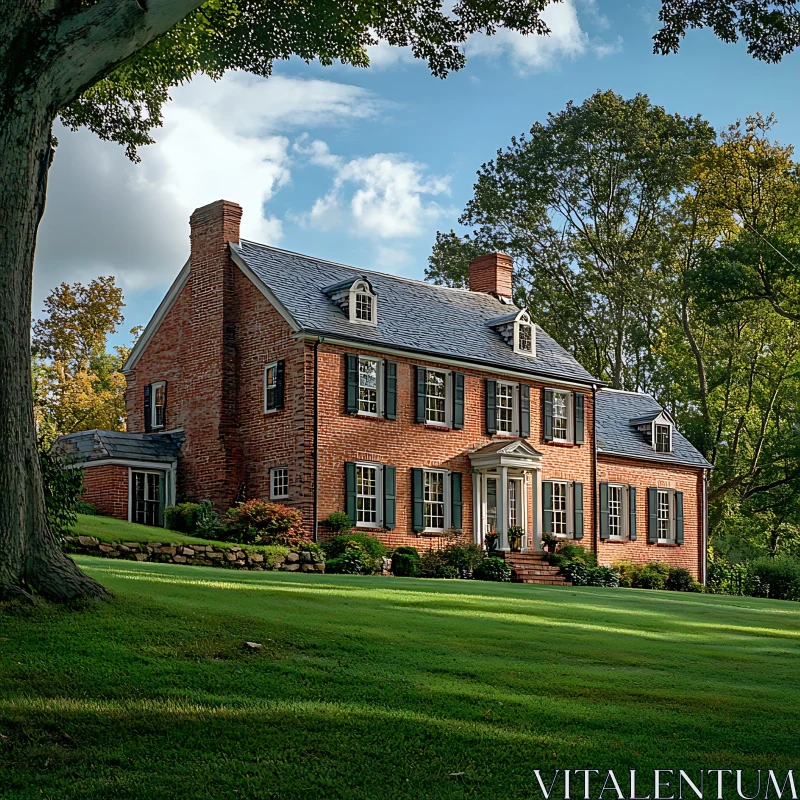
x=447 y=499
x=671 y=522
x=570 y=437
x=362 y=287
x=656 y=425
x=448 y=398
x=570 y=495
x=523 y=318
x=514 y=433
x=378 y=494
x=273 y=365
x=153 y=391
x=379 y=388
x=272 y=493
x=623 y=512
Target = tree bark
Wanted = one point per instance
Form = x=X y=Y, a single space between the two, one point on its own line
x=31 y=561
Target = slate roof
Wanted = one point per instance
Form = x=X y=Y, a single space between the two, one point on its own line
x=617 y=412
x=96 y=445
x=412 y=315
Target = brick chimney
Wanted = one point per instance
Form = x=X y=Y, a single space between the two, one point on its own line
x=214 y=460
x=491 y=273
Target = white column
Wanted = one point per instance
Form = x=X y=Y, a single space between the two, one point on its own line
x=502 y=508
x=537 y=510
x=477 y=509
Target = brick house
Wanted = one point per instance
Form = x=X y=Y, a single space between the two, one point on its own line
x=422 y=411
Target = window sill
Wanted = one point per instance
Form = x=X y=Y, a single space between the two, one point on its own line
x=561 y=443
x=367 y=415
x=271 y=411
x=613 y=541
x=282 y=497
x=667 y=544
x=437 y=426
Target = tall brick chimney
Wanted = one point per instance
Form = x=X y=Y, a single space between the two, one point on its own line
x=491 y=273
x=214 y=459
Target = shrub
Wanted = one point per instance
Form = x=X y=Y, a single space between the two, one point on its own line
x=629 y=572
x=260 y=522
x=404 y=562
x=776 y=577
x=62 y=489
x=272 y=553
x=576 y=572
x=182 y=517
x=339 y=522
x=82 y=507
x=463 y=557
x=492 y=569
x=354 y=560
x=434 y=564
x=372 y=548
x=679 y=580
x=654 y=575
x=602 y=576
x=568 y=553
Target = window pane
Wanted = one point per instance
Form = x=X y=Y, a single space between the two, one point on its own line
x=435 y=397
x=368 y=386
x=525 y=338
x=367 y=495
x=434 y=500
x=662 y=438
x=560 y=509
x=270 y=382
x=280 y=482
x=364 y=307
x=505 y=407
x=615 y=511
x=663 y=516
x=560 y=415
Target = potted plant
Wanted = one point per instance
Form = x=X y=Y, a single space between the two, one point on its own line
x=549 y=542
x=490 y=541
x=515 y=534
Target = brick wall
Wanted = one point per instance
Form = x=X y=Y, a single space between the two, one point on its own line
x=107 y=489
x=642 y=475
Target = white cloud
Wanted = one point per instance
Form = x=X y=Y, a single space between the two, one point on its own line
x=383 y=196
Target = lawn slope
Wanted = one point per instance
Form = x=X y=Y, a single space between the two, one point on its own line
x=383 y=688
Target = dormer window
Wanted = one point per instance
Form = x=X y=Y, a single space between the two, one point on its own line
x=363 y=304
x=524 y=341
x=364 y=307
x=663 y=438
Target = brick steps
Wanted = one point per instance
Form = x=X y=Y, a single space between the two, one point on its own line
x=533 y=568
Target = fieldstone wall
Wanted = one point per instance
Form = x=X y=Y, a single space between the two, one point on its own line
x=233 y=557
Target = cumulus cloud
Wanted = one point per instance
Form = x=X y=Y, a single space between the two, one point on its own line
x=383 y=196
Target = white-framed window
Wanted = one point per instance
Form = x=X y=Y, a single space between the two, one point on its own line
x=437 y=397
x=560 y=509
x=665 y=517
x=436 y=506
x=369 y=386
x=562 y=416
x=158 y=408
x=524 y=335
x=663 y=438
x=369 y=511
x=271 y=387
x=278 y=483
x=363 y=304
x=507 y=408
x=616 y=511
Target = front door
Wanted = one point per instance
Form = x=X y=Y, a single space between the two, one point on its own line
x=147 y=507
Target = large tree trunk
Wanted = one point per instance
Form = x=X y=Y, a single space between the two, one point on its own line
x=31 y=561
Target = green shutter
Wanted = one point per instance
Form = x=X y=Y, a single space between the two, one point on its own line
x=280 y=383
x=148 y=408
x=579 y=436
x=389 y=497
x=547 y=405
x=604 y=534
x=458 y=400
x=491 y=407
x=418 y=500
x=350 y=490
x=456 y=501
x=547 y=507
x=577 y=501
x=390 y=389
x=632 y=513
x=678 y=517
x=422 y=380
x=524 y=410
x=351 y=385
x=652 y=515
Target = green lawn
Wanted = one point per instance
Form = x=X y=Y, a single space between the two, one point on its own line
x=383 y=688
x=108 y=529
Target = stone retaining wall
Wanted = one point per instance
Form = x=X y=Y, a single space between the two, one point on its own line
x=233 y=557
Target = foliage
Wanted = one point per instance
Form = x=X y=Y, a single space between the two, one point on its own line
x=778 y=578
x=182 y=517
x=371 y=548
x=654 y=575
x=353 y=560
x=435 y=564
x=339 y=523
x=82 y=507
x=272 y=553
x=681 y=580
x=629 y=572
x=62 y=490
x=579 y=574
x=492 y=569
x=490 y=541
x=572 y=553
x=463 y=557
x=261 y=522
x=404 y=562
x=109 y=529
x=207 y=525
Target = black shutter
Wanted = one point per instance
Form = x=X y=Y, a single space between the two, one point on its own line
x=390 y=389
x=632 y=513
x=579 y=436
x=280 y=383
x=652 y=515
x=577 y=502
x=491 y=407
x=524 y=410
x=458 y=400
x=351 y=385
x=547 y=405
x=148 y=408
x=456 y=501
x=350 y=490
x=678 y=517
x=604 y=533
x=547 y=507
x=389 y=497
x=418 y=500
x=422 y=382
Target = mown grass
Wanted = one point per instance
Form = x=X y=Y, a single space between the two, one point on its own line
x=383 y=688
x=108 y=529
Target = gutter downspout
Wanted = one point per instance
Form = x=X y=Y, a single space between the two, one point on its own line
x=704 y=563
x=319 y=341
x=595 y=510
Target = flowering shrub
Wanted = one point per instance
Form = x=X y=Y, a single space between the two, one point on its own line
x=492 y=569
x=260 y=522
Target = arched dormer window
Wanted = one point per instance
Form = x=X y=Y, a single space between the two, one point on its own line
x=524 y=335
x=363 y=304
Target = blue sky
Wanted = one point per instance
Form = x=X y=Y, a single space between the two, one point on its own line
x=364 y=166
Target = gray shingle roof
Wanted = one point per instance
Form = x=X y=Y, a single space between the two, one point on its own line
x=412 y=315
x=96 y=445
x=616 y=433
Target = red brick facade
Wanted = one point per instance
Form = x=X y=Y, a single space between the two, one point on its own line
x=107 y=489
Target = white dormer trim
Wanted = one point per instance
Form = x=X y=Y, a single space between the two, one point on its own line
x=360 y=293
x=649 y=430
x=522 y=326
